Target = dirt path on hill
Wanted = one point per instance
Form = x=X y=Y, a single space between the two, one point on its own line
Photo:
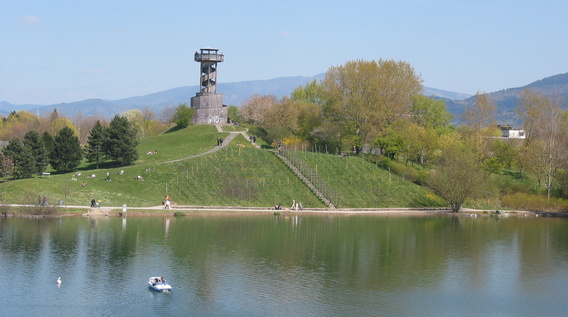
x=226 y=141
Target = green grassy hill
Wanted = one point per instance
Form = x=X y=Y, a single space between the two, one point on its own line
x=361 y=184
x=237 y=175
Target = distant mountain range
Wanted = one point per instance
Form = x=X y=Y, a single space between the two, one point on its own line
x=554 y=87
x=235 y=93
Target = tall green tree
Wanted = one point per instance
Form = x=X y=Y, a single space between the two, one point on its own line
x=21 y=158
x=66 y=154
x=33 y=140
x=366 y=97
x=48 y=142
x=234 y=114
x=309 y=119
x=310 y=93
x=121 y=141
x=183 y=116
x=430 y=113
x=94 y=150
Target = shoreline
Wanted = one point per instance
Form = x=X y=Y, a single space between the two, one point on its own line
x=193 y=211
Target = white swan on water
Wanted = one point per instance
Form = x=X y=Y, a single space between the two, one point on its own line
x=59 y=280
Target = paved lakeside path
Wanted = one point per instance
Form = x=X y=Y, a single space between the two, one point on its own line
x=239 y=210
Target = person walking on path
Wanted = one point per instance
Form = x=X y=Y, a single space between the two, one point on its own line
x=167 y=202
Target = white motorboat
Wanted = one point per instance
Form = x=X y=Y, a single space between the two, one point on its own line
x=159 y=284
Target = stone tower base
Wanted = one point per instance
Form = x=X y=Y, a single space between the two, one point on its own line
x=209 y=109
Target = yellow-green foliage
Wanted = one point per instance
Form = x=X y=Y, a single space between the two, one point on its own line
x=531 y=202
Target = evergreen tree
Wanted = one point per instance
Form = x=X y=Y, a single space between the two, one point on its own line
x=47 y=142
x=121 y=141
x=33 y=140
x=94 y=151
x=6 y=165
x=23 y=163
x=66 y=154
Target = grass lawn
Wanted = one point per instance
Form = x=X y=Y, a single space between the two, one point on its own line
x=362 y=184
x=236 y=175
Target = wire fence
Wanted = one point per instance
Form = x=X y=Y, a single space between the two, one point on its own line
x=329 y=196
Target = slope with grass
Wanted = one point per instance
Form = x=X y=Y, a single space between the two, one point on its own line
x=361 y=184
x=236 y=175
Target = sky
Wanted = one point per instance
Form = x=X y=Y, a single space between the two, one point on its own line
x=64 y=51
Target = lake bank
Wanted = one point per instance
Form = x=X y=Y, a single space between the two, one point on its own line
x=159 y=211
x=217 y=211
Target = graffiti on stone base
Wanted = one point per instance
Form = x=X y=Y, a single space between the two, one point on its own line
x=213 y=119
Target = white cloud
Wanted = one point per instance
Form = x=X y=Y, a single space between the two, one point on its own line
x=284 y=33
x=30 y=20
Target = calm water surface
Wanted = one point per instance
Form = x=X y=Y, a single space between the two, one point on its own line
x=285 y=266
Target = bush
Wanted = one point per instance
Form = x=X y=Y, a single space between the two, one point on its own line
x=179 y=214
x=510 y=182
x=409 y=173
x=39 y=210
x=4 y=210
x=530 y=202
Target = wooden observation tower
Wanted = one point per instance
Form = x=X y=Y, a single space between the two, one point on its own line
x=208 y=104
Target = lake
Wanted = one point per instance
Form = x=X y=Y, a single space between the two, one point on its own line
x=320 y=265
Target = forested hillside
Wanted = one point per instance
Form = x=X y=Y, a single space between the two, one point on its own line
x=554 y=87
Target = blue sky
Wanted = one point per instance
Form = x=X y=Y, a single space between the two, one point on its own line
x=63 y=51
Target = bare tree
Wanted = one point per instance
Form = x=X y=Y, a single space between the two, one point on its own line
x=253 y=109
x=546 y=145
x=167 y=114
x=85 y=124
x=480 y=121
x=458 y=175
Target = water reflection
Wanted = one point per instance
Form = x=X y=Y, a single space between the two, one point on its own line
x=289 y=265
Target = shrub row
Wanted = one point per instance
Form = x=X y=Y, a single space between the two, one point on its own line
x=531 y=202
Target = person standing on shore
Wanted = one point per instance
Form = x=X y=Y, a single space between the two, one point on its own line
x=167 y=202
